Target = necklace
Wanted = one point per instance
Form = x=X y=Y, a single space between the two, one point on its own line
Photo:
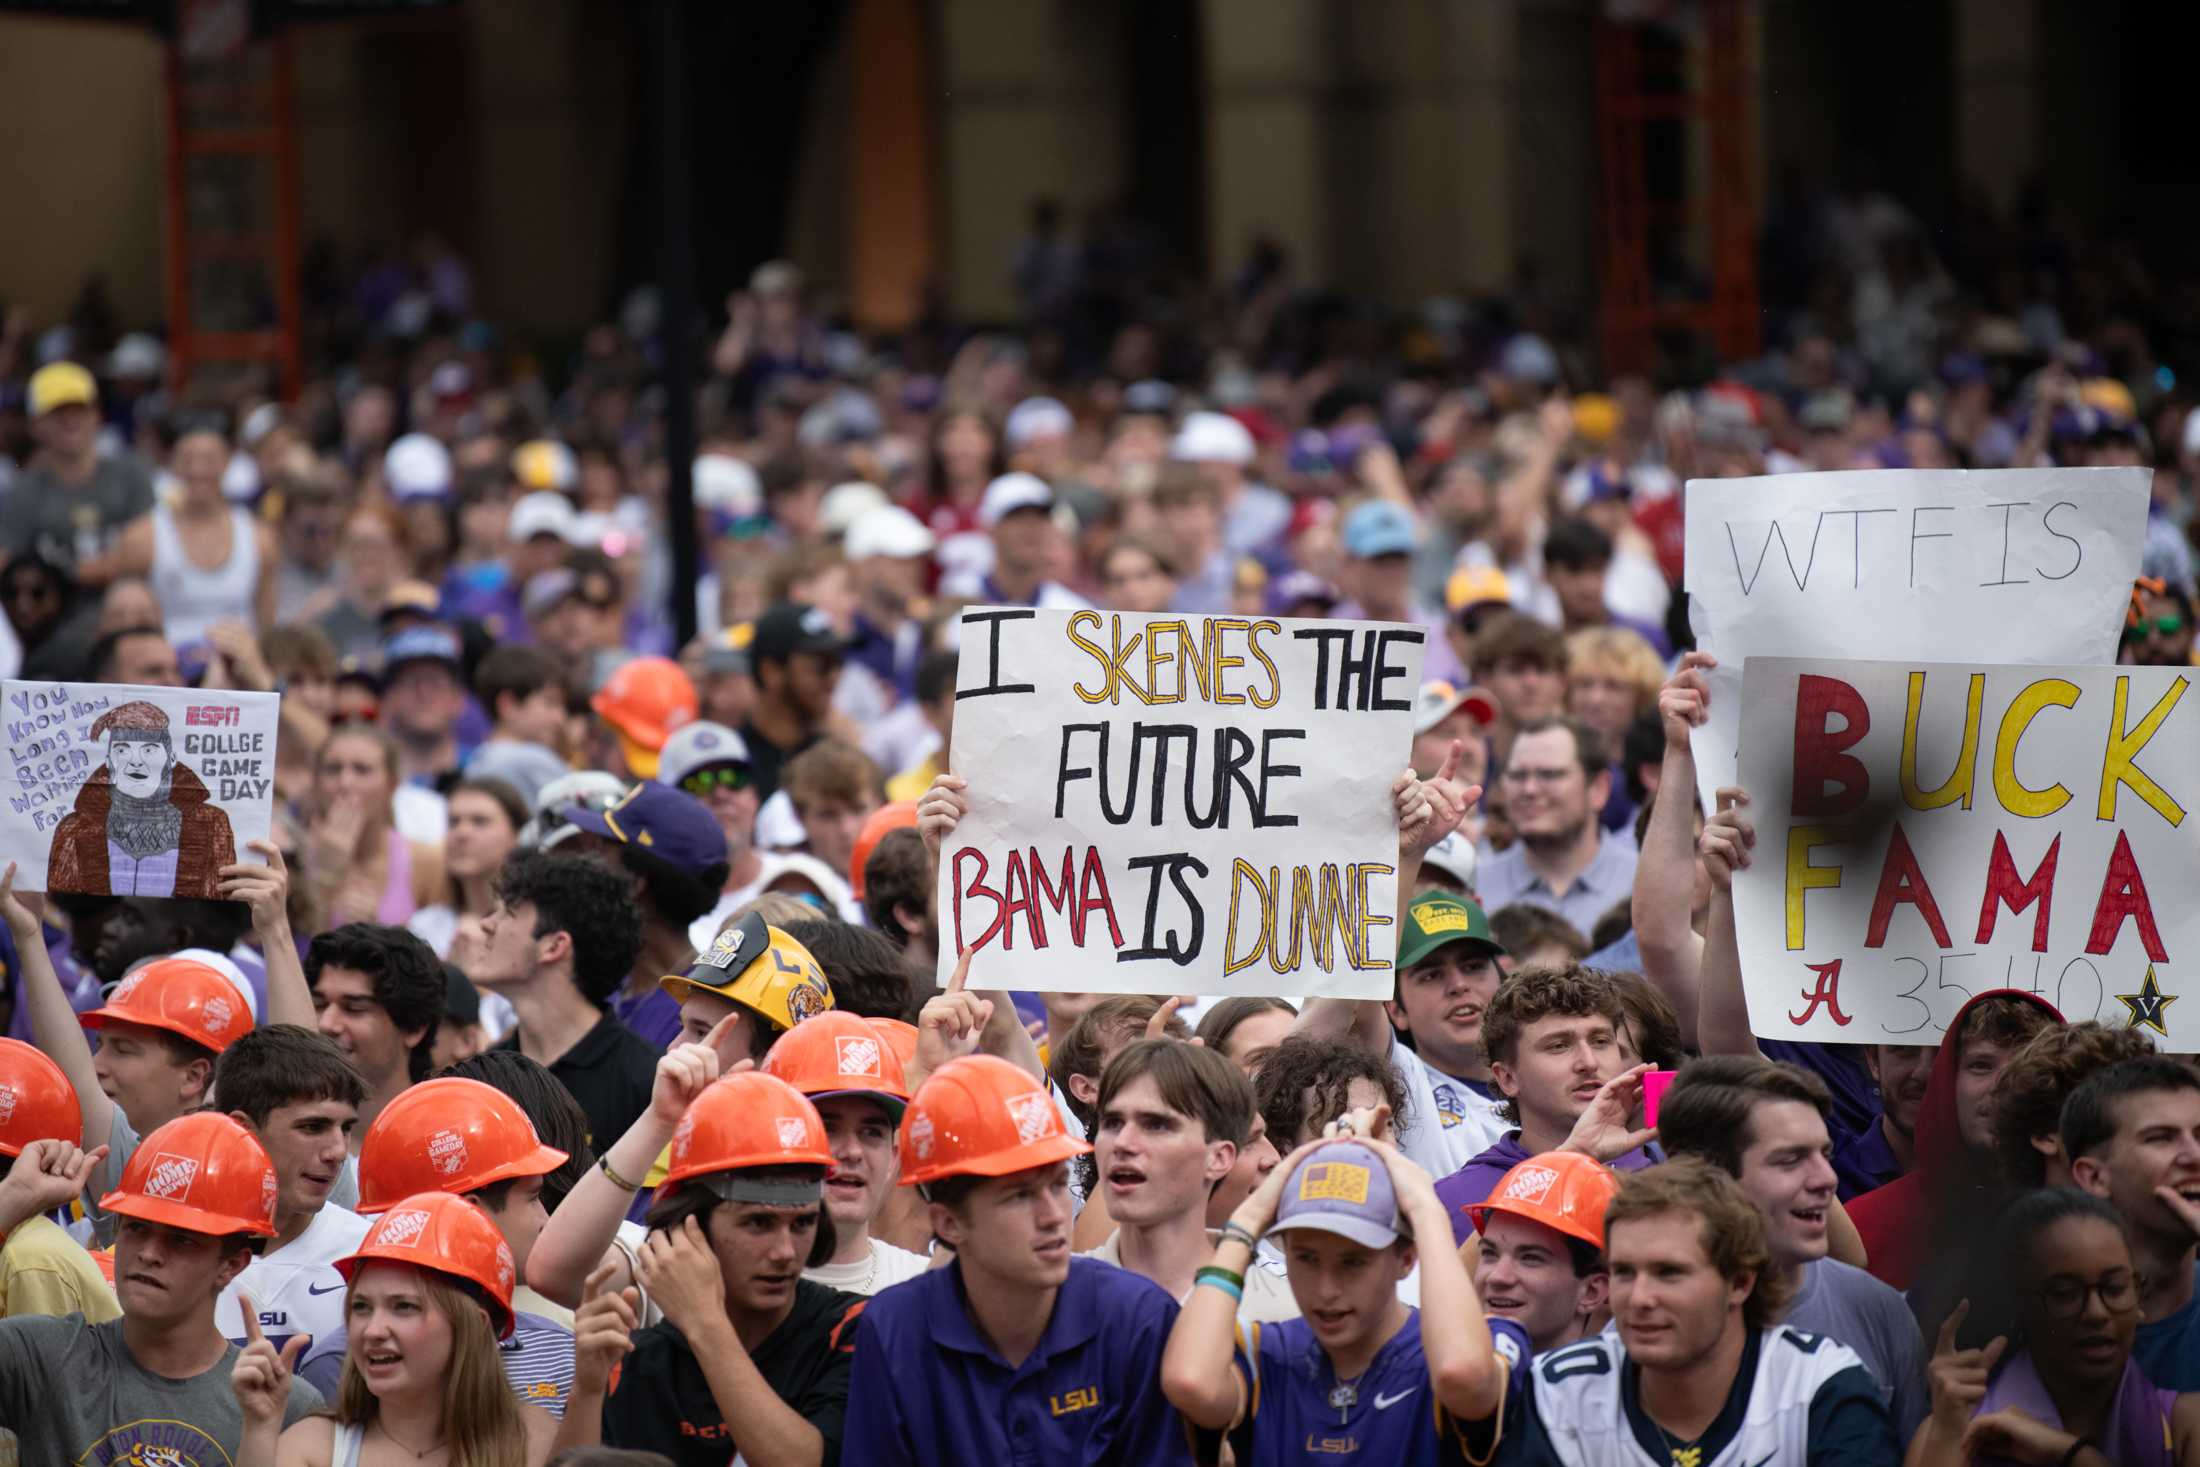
x=417 y=1454
x=1344 y=1395
x=1683 y=1454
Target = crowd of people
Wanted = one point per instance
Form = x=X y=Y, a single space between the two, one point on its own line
x=569 y=1072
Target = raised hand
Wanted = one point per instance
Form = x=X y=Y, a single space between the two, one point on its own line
x=603 y=1330
x=1602 y=1130
x=1685 y=700
x=941 y=810
x=1366 y=1123
x=260 y=1379
x=953 y=1021
x=1958 y=1377
x=265 y=889
x=47 y=1175
x=21 y=912
x=1157 y=1027
x=685 y=1072
x=1728 y=838
x=1257 y=1211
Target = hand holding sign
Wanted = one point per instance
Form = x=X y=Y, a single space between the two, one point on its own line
x=1684 y=703
x=941 y=809
x=1727 y=839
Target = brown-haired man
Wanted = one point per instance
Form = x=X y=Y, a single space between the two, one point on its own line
x=1699 y=1374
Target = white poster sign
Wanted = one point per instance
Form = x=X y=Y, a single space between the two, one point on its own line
x=2001 y=565
x=134 y=791
x=1927 y=831
x=1177 y=804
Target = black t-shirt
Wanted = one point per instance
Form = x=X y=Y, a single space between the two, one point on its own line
x=662 y=1401
x=609 y=1071
x=767 y=760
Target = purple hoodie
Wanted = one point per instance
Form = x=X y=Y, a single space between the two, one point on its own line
x=1475 y=1181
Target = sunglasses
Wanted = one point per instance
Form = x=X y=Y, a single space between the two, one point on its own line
x=369 y=714
x=2167 y=625
x=718 y=777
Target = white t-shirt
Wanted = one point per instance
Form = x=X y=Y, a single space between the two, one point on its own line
x=1448 y=1122
x=886 y=1267
x=296 y=1288
x=1267 y=1296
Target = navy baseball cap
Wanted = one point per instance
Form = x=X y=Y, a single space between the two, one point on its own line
x=670 y=824
x=422 y=644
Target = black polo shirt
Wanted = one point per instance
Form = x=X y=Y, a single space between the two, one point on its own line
x=661 y=1401
x=609 y=1071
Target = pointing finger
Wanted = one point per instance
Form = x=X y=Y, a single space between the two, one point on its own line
x=1950 y=1325
x=960 y=978
x=722 y=1030
x=252 y=1332
x=1157 y=1027
x=1450 y=767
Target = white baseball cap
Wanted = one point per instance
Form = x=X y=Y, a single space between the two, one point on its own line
x=1212 y=438
x=542 y=513
x=844 y=504
x=729 y=485
x=1037 y=417
x=1437 y=701
x=418 y=467
x=1011 y=492
x=697 y=745
x=888 y=530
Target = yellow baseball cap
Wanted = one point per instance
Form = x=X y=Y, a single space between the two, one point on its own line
x=59 y=385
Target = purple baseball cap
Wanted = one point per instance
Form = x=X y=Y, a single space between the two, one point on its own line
x=670 y=824
x=1341 y=1188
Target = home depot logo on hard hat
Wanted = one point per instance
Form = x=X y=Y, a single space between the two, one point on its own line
x=171 y=1176
x=1529 y=1184
x=857 y=1056
x=401 y=1229
x=1034 y=1115
x=920 y=1136
x=791 y=1131
x=7 y=1104
x=218 y=1013
x=447 y=1152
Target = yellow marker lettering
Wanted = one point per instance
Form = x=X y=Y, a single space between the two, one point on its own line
x=1802 y=876
x=2015 y=796
x=2119 y=765
x=1156 y=659
x=1240 y=872
x=1222 y=661
x=1260 y=655
x=1106 y=694
x=1958 y=784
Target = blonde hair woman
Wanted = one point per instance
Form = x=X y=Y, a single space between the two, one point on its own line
x=357 y=866
x=429 y=1294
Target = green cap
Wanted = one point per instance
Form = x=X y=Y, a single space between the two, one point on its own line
x=1435 y=918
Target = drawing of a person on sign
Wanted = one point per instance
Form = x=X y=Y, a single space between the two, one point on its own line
x=144 y=823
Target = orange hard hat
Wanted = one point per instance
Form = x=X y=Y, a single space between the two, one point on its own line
x=747 y=1120
x=981 y=1116
x=840 y=1053
x=202 y=1173
x=895 y=815
x=901 y=1037
x=183 y=996
x=644 y=700
x=448 y=1135
x=1559 y=1189
x=436 y=1232
x=37 y=1102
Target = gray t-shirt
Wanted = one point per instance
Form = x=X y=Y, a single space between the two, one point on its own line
x=72 y=1395
x=1847 y=1304
x=69 y=523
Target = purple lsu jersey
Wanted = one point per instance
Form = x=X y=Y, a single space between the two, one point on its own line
x=1295 y=1413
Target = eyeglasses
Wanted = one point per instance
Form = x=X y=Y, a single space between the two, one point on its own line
x=2064 y=1298
x=727 y=777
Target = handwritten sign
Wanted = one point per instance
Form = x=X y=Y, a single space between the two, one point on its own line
x=1926 y=831
x=2003 y=565
x=133 y=791
x=1178 y=804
